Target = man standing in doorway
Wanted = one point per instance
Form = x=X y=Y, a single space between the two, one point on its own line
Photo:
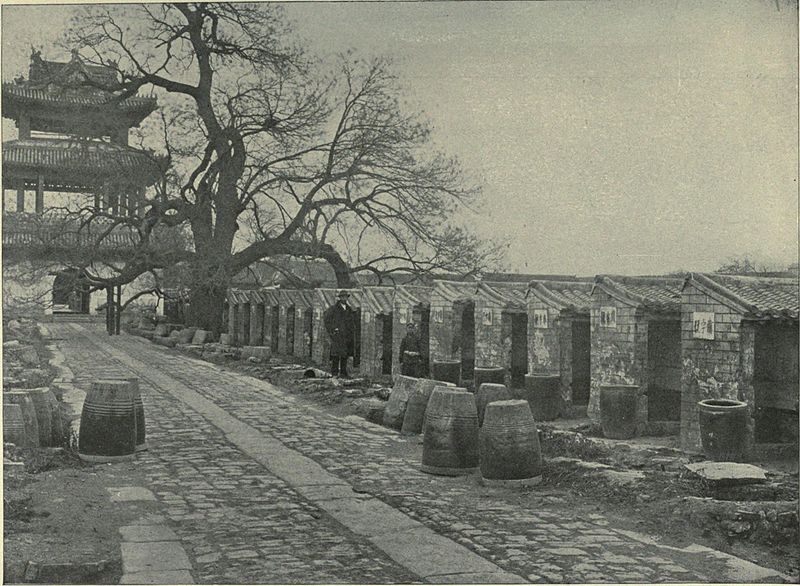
x=411 y=352
x=340 y=325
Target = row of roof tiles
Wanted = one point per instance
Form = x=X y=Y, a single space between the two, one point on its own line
x=26 y=94
x=753 y=297
x=75 y=155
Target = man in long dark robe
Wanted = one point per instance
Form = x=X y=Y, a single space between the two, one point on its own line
x=340 y=324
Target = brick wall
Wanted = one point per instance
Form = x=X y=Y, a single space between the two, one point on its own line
x=321 y=349
x=370 y=352
x=617 y=353
x=283 y=347
x=256 y=324
x=443 y=333
x=266 y=321
x=721 y=368
x=490 y=349
x=544 y=344
x=550 y=348
x=302 y=335
x=233 y=322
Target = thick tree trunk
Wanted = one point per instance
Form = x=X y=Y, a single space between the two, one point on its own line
x=206 y=301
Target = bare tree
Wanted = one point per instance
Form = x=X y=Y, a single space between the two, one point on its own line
x=274 y=153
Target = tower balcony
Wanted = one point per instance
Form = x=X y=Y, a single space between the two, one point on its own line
x=29 y=236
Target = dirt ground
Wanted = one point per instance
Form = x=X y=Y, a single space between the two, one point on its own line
x=62 y=520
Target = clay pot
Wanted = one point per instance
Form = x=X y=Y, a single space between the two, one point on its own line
x=509 y=444
x=450 y=442
x=723 y=429
x=618 y=410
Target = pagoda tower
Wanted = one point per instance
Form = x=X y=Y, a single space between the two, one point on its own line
x=71 y=154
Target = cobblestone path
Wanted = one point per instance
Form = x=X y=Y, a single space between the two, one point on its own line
x=240 y=523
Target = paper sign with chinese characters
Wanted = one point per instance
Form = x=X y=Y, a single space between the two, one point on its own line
x=539 y=318
x=438 y=315
x=403 y=316
x=703 y=325
x=487 y=317
x=608 y=317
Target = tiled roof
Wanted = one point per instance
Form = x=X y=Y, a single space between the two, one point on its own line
x=327 y=297
x=525 y=277
x=72 y=71
x=452 y=291
x=755 y=297
x=564 y=295
x=655 y=293
x=509 y=295
x=269 y=296
x=297 y=297
x=28 y=94
x=83 y=156
x=380 y=300
x=412 y=295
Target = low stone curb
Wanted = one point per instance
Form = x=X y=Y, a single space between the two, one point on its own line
x=64 y=572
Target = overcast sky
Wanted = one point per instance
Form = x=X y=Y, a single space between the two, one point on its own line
x=611 y=137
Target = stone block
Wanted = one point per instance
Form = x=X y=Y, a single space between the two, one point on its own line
x=225 y=339
x=260 y=353
x=153 y=556
x=201 y=337
x=728 y=473
x=147 y=533
x=130 y=493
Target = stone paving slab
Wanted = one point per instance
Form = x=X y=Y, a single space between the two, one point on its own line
x=122 y=494
x=430 y=555
x=153 y=556
x=479 y=578
x=368 y=517
x=147 y=533
x=162 y=577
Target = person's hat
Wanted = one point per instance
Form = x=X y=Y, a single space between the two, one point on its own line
x=343 y=294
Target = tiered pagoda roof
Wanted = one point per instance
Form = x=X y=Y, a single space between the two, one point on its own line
x=83 y=104
x=59 y=96
x=69 y=164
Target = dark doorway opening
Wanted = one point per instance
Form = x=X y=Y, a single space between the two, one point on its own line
x=259 y=325
x=775 y=381
x=290 y=329
x=274 y=325
x=357 y=338
x=237 y=320
x=466 y=337
x=383 y=332
x=246 y=324
x=664 y=366
x=71 y=289
x=581 y=361
x=519 y=348
x=422 y=316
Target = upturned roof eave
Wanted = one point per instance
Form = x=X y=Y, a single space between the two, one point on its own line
x=736 y=302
